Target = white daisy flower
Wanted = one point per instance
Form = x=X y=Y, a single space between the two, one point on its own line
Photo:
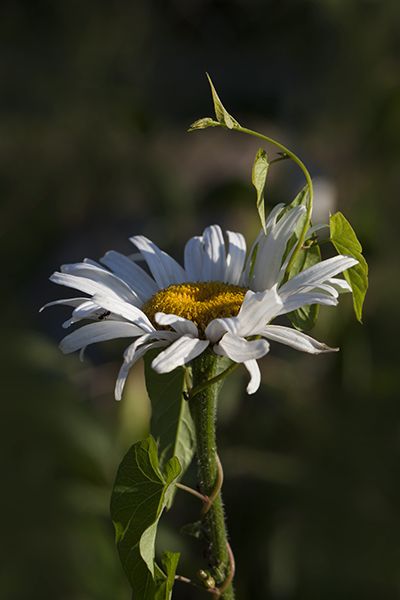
x=218 y=302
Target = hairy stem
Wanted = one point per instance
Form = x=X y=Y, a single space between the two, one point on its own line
x=203 y=407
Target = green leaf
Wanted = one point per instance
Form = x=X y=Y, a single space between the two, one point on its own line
x=164 y=587
x=171 y=423
x=259 y=175
x=221 y=113
x=345 y=241
x=303 y=318
x=203 y=124
x=139 y=496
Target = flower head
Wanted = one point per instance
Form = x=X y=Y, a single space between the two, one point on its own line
x=218 y=302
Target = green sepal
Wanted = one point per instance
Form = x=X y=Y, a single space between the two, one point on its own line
x=345 y=241
x=165 y=582
x=141 y=492
x=203 y=124
x=171 y=423
x=258 y=178
x=223 y=117
x=303 y=318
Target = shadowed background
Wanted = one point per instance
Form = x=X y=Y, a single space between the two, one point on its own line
x=96 y=98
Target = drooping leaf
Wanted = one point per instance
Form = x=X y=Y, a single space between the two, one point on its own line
x=303 y=318
x=140 y=494
x=345 y=241
x=221 y=113
x=171 y=423
x=259 y=176
x=203 y=124
x=164 y=586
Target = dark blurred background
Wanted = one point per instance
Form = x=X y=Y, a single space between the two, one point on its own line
x=96 y=98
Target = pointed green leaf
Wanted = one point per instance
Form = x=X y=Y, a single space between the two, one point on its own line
x=345 y=241
x=203 y=124
x=171 y=423
x=139 y=496
x=164 y=587
x=303 y=318
x=259 y=176
x=221 y=113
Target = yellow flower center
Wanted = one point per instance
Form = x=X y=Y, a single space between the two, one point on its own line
x=198 y=302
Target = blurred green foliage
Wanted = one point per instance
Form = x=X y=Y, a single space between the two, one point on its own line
x=96 y=99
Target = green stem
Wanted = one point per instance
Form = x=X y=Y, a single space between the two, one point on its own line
x=203 y=407
x=308 y=178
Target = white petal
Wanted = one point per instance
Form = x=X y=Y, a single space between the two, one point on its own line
x=214 y=254
x=193 y=259
x=181 y=325
x=235 y=258
x=165 y=270
x=124 y=309
x=179 y=353
x=319 y=273
x=86 y=310
x=218 y=327
x=340 y=285
x=66 y=301
x=131 y=273
x=240 y=350
x=295 y=300
x=257 y=310
x=106 y=285
x=98 y=332
x=126 y=367
x=255 y=376
x=295 y=339
x=271 y=249
x=165 y=336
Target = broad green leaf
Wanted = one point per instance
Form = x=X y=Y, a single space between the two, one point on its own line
x=221 y=113
x=203 y=124
x=171 y=423
x=259 y=175
x=164 y=587
x=139 y=496
x=345 y=241
x=303 y=318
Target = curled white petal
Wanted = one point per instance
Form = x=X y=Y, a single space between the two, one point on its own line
x=295 y=339
x=319 y=273
x=179 y=353
x=255 y=376
x=340 y=285
x=98 y=332
x=181 y=325
x=127 y=365
x=125 y=310
x=67 y=301
x=295 y=300
x=240 y=350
